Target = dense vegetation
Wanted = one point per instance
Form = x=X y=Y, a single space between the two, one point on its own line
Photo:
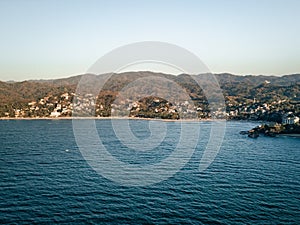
x=246 y=97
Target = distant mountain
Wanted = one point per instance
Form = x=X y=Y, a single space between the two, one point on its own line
x=231 y=84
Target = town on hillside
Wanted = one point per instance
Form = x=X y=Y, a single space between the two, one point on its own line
x=256 y=98
x=282 y=111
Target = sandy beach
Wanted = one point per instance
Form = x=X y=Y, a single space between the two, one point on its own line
x=105 y=118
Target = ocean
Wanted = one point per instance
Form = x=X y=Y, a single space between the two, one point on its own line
x=47 y=178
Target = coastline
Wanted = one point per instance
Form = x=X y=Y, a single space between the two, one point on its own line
x=108 y=118
x=279 y=130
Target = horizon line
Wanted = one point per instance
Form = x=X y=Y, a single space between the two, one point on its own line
x=149 y=71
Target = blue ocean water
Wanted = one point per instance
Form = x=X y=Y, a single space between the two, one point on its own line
x=45 y=179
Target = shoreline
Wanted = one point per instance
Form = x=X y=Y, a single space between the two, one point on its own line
x=106 y=118
x=125 y=118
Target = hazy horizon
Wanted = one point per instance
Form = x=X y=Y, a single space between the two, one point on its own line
x=74 y=75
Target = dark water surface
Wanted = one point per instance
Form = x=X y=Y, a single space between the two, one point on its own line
x=45 y=179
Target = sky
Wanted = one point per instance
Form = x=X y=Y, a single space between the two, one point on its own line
x=60 y=38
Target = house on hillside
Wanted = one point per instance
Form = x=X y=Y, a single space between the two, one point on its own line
x=55 y=114
x=290 y=118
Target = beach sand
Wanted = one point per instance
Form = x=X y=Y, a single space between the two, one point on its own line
x=104 y=118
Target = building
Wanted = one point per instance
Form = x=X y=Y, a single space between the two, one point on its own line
x=55 y=114
x=290 y=118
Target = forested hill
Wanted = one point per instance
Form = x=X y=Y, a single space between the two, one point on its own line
x=236 y=89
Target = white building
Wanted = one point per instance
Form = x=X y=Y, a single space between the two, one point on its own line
x=290 y=118
x=55 y=114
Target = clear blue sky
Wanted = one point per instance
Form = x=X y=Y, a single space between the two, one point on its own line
x=60 y=38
